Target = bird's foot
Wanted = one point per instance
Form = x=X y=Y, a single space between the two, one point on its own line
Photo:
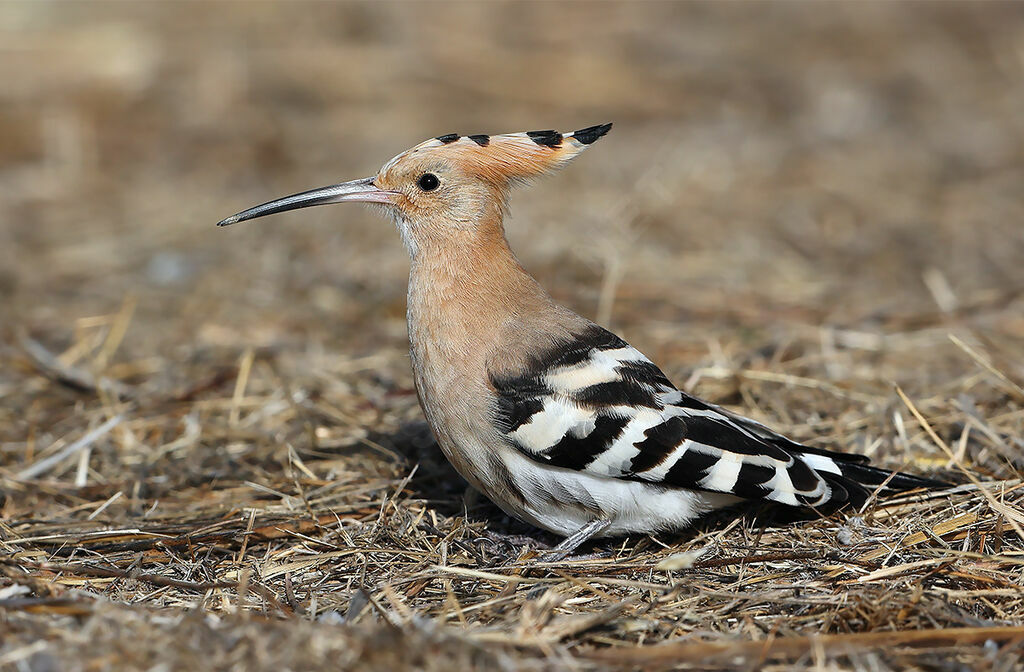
x=509 y=546
x=575 y=540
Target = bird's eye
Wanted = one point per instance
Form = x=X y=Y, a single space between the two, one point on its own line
x=428 y=182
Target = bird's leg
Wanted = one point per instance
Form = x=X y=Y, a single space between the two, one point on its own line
x=576 y=539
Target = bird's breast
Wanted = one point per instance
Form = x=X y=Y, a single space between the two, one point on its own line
x=448 y=351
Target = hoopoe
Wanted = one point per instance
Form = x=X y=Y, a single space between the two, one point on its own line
x=558 y=421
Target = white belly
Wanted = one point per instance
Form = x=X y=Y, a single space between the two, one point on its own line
x=562 y=501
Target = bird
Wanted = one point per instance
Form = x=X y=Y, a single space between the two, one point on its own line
x=557 y=420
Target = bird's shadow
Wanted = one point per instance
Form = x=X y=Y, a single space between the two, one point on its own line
x=437 y=484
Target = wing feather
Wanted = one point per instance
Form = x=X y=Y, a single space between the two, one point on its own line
x=597 y=405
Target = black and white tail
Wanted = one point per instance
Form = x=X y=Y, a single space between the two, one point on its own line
x=853 y=481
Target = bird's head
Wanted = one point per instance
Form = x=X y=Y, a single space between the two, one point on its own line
x=448 y=184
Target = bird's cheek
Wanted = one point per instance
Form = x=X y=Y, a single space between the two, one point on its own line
x=405 y=205
x=465 y=208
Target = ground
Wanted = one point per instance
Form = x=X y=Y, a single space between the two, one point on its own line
x=810 y=213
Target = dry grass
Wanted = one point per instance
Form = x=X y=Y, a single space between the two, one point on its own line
x=211 y=456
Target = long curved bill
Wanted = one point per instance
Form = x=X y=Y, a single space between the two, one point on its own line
x=361 y=191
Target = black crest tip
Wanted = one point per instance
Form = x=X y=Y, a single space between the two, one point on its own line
x=592 y=133
x=451 y=137
x=482 y=140
x=547 y=138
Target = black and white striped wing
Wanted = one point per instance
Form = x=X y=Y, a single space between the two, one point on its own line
x=597 y=405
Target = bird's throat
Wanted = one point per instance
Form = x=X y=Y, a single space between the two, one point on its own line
x=462 y=293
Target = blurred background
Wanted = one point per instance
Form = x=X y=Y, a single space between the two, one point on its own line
x=800 y=206
x=818 y=190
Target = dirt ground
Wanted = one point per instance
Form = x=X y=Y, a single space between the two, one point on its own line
x=211 y=454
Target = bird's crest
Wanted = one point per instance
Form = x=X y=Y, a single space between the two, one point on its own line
x=507 y=157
